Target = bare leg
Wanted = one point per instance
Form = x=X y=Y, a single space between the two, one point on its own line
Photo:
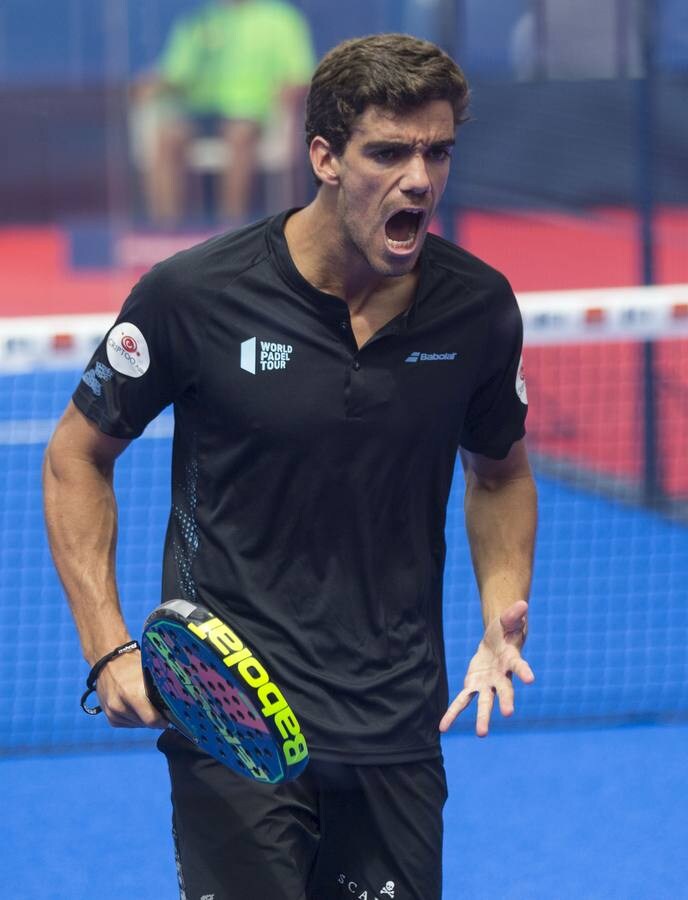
x=237 y=180
x=165 y=178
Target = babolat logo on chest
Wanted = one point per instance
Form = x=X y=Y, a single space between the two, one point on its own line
x=416 y=356
x=264 y=356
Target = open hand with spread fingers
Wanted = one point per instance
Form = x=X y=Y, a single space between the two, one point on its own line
x=497 y=658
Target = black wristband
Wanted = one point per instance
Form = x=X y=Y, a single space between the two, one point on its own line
x=129 y=647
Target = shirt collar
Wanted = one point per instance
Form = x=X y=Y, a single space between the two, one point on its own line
x=326 y=304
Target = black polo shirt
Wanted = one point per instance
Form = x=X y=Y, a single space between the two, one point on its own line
x=310 y=478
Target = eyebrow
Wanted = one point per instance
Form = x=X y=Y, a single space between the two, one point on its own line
x=376 y=146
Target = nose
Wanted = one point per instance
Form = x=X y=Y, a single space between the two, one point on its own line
x=415 y=179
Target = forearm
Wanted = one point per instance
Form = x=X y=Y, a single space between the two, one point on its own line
x=81 y=519
x=501 y=520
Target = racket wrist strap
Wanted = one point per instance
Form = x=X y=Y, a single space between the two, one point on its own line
x=98 y=667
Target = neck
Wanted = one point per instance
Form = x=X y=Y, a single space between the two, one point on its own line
x=322 y=257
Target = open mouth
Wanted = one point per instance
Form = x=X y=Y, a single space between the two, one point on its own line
x=401 y=229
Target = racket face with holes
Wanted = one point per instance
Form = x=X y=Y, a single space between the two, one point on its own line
x=213 y=688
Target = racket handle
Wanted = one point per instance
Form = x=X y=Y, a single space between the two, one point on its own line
x=153 y=694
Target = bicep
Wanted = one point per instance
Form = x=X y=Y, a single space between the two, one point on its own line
x=77 y=439
x=491 y=473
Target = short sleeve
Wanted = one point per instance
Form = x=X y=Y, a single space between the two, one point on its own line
x=497 y=409
x=142 y=363
x=179 y=61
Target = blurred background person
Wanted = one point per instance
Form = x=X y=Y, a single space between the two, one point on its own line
x=228 y=69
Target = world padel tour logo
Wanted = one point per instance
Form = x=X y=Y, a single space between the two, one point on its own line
x=127 y=350
x=264 y=356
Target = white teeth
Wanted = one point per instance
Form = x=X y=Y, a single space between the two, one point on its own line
x=402 y=245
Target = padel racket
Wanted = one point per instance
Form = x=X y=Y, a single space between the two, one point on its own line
x=211 y=686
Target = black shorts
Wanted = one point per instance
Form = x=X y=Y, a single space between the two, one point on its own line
x=339 y=831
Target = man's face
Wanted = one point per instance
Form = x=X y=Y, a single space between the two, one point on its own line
x=392 y=174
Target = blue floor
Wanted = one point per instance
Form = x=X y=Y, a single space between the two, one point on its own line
x=566 y=815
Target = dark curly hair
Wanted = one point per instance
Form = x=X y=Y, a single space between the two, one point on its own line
x=394 y=71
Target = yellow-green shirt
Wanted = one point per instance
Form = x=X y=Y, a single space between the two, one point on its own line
x=231 y=59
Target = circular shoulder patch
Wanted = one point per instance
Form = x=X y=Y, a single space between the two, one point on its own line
x=521 y=392
x=127 y=350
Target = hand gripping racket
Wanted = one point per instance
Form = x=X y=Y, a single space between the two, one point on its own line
x=211 y=686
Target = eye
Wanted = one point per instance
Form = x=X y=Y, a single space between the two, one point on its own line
x=439 y=154
x=387 y=154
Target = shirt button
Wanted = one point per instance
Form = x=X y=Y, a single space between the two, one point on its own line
x=357 y=365
x=343 y=325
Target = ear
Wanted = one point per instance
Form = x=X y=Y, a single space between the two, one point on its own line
x=324 y=162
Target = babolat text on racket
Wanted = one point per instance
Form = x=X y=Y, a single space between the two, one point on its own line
x=211 y=685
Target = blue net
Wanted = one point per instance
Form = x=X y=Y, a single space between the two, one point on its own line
x=609 y=610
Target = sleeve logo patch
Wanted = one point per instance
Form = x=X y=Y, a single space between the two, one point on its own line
x=521 y=392
x=95 y=376
x=127 y=350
